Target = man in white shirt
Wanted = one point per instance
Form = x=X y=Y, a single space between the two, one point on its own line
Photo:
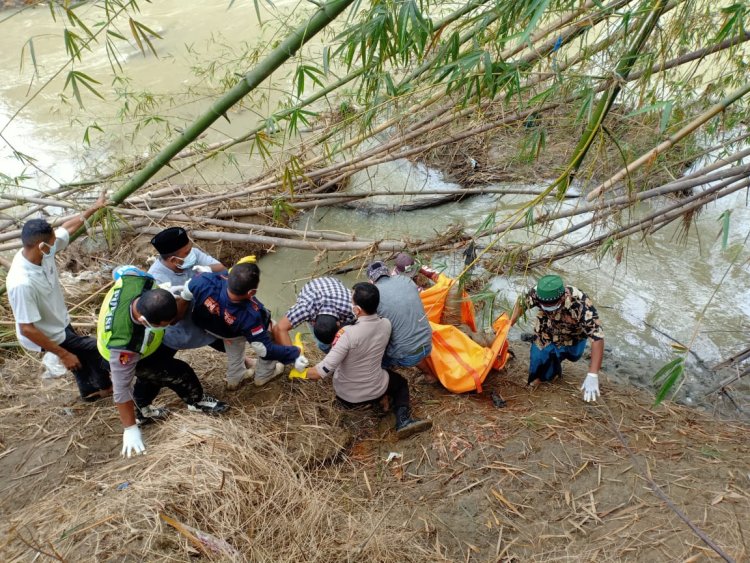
x=36 y=298
x=179 y=261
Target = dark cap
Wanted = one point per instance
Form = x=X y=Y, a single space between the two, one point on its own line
x=170 y=240
x=377 y=270
x=550 y=288
x=406 y=265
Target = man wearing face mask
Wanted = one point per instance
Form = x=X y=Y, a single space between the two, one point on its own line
x=36 y=298
x=227 y=306
x=566 y=320
x=179 y=261
x=129 y=334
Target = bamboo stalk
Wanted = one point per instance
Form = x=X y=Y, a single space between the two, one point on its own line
x=612 y=209
x=653 y=220
x=323 y=16
x=241 y=226
x=621 y=72
x=676 y=186
x=671 y=141
x=382 y=246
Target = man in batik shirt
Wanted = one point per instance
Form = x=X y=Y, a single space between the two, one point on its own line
x=566 y=320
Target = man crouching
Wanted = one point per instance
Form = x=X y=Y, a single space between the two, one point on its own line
x=355 y=363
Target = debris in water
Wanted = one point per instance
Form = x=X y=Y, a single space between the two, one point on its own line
x=392 y=456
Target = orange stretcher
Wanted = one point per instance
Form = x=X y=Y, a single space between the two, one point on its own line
x=461 y=364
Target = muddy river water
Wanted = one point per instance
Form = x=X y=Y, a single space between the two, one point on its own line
x=687 y=289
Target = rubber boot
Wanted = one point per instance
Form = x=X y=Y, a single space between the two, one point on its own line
x=406 y=425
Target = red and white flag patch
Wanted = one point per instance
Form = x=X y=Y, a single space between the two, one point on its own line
x=256 y=330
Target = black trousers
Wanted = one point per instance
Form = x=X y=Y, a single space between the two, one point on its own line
x=397 y=391
x=162 y=369
x=93 y=375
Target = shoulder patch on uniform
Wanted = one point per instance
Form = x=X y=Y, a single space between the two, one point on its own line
x=256 y=330
x=336 y=338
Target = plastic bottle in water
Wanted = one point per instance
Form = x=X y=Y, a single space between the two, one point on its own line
x=53 y=367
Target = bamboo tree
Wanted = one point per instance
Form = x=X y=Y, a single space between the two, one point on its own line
x=621 y=72
x=323 y=16
x=672 y=140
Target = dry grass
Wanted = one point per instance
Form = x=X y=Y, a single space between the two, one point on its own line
x=233 y=478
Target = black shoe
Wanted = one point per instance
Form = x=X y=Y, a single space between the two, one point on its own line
x=407 y=426
x=209 y=405
x=150 y=414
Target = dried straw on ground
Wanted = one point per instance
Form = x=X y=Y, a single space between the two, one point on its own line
x=228 y=477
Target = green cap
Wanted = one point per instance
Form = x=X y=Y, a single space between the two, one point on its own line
x=550 y=288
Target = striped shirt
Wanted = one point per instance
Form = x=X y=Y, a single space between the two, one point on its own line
x=322 y=296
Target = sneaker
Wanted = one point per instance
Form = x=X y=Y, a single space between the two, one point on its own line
x=209 y=405
x=246 y=376
x=261 y=380
x=406 y=425
x=150 y=413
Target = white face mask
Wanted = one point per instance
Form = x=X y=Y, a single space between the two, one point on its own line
x=551 y=308
x=52 y=249
x=189 y=261
x=152 y=328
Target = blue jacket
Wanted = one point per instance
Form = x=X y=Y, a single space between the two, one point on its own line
x=214 y=312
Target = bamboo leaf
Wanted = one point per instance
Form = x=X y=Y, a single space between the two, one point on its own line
x=724 y=233
x=32 y=55
x=670 y=373
x=72 y=44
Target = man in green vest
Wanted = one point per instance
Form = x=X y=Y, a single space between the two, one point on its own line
x=129 y=333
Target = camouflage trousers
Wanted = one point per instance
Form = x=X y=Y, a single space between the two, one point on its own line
x=162 y=369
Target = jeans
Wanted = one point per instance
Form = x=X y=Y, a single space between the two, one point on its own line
x=93 y=375
x=397 y=391
x=410 y=360
x=162 y=369
x=546 y=363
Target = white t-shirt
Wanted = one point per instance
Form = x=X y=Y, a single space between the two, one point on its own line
x=36 y=296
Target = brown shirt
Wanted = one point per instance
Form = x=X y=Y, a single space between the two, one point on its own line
x=355 y=360
x=574 y=321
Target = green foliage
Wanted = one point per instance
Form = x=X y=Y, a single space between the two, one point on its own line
x=76 y=79
x=668 y=376
x=735 y=18
x=724 y=232
x=282 y=208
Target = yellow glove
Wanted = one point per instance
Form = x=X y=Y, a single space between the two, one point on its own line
x=245 y=260
x=293 y=373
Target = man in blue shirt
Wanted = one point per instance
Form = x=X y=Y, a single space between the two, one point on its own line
x=227 y=306
x=179 y=261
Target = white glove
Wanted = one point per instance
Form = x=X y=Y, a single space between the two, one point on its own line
x=301 y=363
x=259 y=348
x=132 y=442
x=202 y=269
x=590 y=387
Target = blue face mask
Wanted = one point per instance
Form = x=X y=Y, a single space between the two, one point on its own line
x=52 y=249
x=189 y=261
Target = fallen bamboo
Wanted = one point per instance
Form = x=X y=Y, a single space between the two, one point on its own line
x=612 y=209
x=645 y=224
x=375 y=246
x=671 y=141
x=240 y=226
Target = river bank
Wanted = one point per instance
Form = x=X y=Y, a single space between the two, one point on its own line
x=546 y=478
